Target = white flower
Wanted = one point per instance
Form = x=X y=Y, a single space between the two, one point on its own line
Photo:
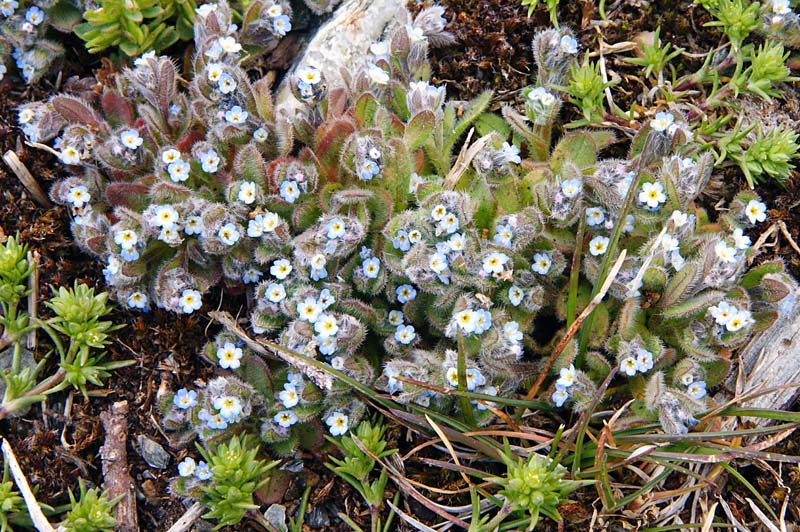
x=515 y=295
x=377 y=75
x=206 y=9
x=309 y=310
x=503 y=235
x=338 y=423
x=644 y=360
x=34 y=15
x=229 y=45
x=229 y=233
x=335 y=228
x=247 y=192
x=281 y=269
x=165 y=216
x=723 y=312
x=236 y=115
x=679 y=218
x=187 y=467
x=210 y=161
x=309 y=75
x=371 y=267
x=405 y=293
x=405 y=334
x=281 y=25
x=568 y=44
x=456 y=242
x=130 y=139
x=781 y=7
x=137 y=300
x=495 y=262
x=78 y=196
x=725 y=253
x=628 y=366
x=687 y=379
x=178 y=171
x=512 y=332
x=697 y=390
x=70 y=155
x=511 y=153
x=193 y=226
x=260 y=135
x=598 y=245
x=230 y=407
x=415 y=33
x=380 y=48
x=229 y=356
x=438 y=212
x=288 y=397
x=738 y=320
x=438 y=263
x=25 y=115
x=126 y=238
x=276 y=293
x=560 y=397
x=669 y=243
x=566 y=377
x=571 y=188
x=541 y=263
x=289 y=191
x=595 y=216
x=226 y=84
x=326 y=325
x=474 y=379
x=662 y=121
x=652 y=195
x=190 y=301
x=214 y=71
x=677 y=261
x=740 y=240
x=451 y=375
x=285 y=418
x=756 y=211
x=170 y=156
x=184 y=399
x=466 y=320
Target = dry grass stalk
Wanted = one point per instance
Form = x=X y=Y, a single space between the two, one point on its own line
x=25 y=177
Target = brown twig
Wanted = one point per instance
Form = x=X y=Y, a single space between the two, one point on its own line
x=573 y=329
x=117 y=480
x=33 y=297
x=25 y=177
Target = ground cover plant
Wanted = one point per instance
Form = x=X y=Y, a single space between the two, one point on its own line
x=454 y=280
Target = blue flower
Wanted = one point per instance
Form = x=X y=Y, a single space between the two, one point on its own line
x=405 y=293
x=236 y=115
x=184 y=399
x=405 y=334
x=371 y=267
x=503 y=235
x=281 y=25
x=203 y=472
x=401 y=241
x=560 y=396
x=289 y=191
x=368 y=169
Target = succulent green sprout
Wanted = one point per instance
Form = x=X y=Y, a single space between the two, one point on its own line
x=769 y=154
x=536 y=486
x=767 y=69
x=356 y=465
x=655 y=56
x=237 y=474
x=552 y=5
x=11 y=502
x=586 y=90
x=737 y=19
x=136 y=26
x=92 y=513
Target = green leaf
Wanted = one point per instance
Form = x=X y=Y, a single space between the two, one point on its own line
x=419 y=129
x=578 y=148
x=489 y=122
x=694 y=305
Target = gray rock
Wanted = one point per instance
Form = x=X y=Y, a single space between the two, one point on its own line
x=152 y=452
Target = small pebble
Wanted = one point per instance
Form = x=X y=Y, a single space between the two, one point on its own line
x=152 y=453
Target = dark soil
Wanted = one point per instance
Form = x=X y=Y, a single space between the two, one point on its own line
x=55 y=448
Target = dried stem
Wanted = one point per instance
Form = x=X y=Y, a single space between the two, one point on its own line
x=25 y=177
x=114 y=454
x=37 y=516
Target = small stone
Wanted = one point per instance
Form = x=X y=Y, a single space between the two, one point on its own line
x=276 y=515
x=318 y=518
x=152 y=452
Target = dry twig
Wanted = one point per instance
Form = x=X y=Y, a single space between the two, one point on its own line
x=114 y=454
x=25 y=177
